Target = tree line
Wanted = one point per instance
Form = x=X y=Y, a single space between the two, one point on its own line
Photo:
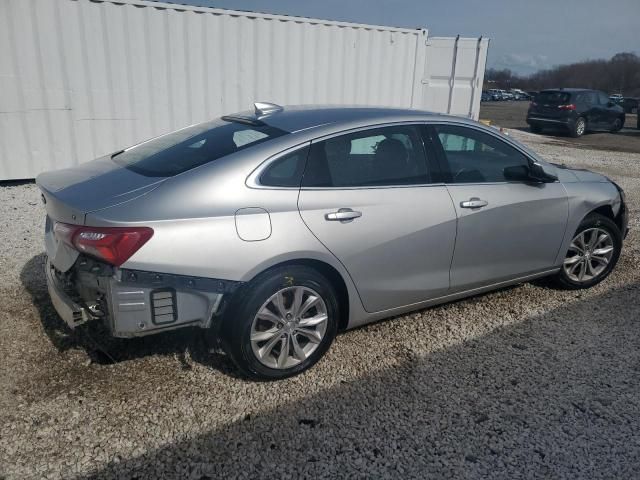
x=619 y=74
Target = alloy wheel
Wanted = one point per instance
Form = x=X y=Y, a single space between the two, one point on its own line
x=580 y=127
x=589 y=255
x=288 y=327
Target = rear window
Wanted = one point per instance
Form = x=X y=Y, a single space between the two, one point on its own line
x=193 y=146
x=559 y=98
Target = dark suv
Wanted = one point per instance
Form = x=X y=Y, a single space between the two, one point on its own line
x=576 y=110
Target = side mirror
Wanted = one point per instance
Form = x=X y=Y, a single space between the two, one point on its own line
x=535 y=172
x=538 y=173
x=518 y=173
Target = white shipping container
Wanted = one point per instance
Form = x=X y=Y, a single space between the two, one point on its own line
x=82 y=78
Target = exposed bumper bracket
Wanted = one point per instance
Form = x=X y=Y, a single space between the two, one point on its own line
x=72 y=313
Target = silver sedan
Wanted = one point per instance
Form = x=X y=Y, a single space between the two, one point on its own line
x=273 y=229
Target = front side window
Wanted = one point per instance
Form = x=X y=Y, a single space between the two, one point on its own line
x=604 y=99
x=193 y=146
x=476 y=157
x=383 y=156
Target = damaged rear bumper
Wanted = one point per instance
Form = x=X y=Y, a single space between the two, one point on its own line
x=71 y=312
x=134 y=303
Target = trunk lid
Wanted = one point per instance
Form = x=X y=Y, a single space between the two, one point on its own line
x=71 y=193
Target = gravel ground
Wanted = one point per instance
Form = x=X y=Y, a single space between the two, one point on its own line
x=526 y=382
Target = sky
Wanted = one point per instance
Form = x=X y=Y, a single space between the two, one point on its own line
x=526 y=35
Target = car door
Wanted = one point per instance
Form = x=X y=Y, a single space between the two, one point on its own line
x=370 y=197
x=608 y=111
x=506 y=229
x=592 y=110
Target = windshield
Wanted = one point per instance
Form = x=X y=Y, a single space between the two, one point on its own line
x=557 y=98
x=193 y=146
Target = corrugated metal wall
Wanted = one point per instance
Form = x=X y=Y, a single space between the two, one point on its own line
x=453 y=75
x=81 y=78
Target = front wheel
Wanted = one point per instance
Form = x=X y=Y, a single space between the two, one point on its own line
x=284 y=322
x=617 y=125
x=592 y=254
x=535 y=128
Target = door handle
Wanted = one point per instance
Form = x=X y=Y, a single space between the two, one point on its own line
x=343 y=215
x=474 y=202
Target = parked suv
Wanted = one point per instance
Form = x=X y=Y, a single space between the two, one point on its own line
x=576 y=110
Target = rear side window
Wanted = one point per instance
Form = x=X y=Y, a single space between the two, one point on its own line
x=476 y=157
x=193 y=146
x=384 y=156
x=553 y=98
x=286 y=171
x=582 y=98
x=589 y=98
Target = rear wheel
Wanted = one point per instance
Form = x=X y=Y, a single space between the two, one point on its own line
x=535 y=128
x=579 y=128
x=282 y=323
x=592 y=254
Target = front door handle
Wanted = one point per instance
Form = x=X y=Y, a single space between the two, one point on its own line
x=474 y=202
x=343 y=215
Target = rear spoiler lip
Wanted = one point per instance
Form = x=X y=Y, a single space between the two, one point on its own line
x=58 y=210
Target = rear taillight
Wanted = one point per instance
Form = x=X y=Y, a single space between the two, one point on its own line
x=114 y=245
x=569 y=106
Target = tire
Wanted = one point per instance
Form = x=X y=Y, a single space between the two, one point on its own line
x=592 y=224
x=579 y=128
x=245 y=334
x=617 y=125
x=535 y=128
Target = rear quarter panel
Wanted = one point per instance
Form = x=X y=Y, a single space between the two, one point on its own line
x=196 y=234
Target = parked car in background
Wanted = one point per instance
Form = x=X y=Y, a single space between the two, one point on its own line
x=272 y=229
x=507 y=95
x=616 y=98
x=519 y=94
x=574 y=110
x=496 y=94
x=630 y=104
x=487 y=96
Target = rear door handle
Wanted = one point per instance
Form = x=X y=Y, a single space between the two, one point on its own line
x=343 y=215
x=474 y=202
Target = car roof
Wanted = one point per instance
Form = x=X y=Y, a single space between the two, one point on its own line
x=296 y=118
x=308 y=122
